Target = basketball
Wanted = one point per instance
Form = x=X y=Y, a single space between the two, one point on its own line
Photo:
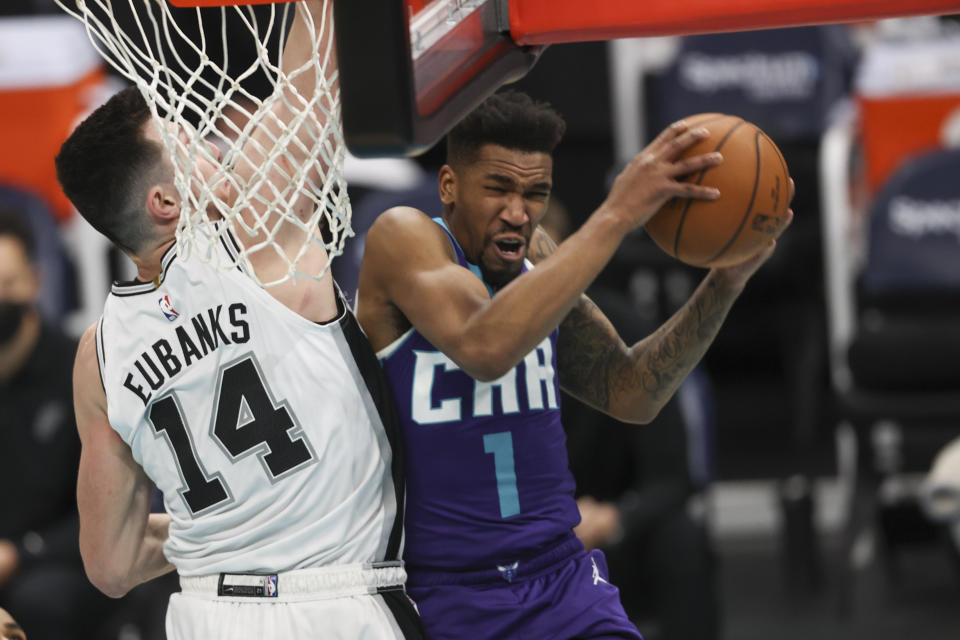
x=754 y=186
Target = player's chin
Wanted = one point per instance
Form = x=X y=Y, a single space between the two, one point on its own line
x=499 y=272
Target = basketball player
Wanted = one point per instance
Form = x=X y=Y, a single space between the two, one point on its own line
x=260 y=414
x=468 y=334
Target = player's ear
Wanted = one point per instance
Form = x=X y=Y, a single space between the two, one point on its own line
x=447 y=184
x=163 y=203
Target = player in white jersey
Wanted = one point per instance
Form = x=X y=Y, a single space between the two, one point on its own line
x=260 y=414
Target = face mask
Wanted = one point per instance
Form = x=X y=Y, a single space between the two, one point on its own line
x=11 y=317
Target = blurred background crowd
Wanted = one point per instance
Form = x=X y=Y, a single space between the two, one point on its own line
x=804 y=481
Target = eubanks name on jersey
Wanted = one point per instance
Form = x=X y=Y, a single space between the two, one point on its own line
x=186 y=344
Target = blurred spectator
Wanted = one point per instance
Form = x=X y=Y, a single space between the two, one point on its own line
x=9 y=629
x=42 y=582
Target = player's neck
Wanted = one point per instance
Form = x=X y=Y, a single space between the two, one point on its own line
x=149 y=262
x=15 y=353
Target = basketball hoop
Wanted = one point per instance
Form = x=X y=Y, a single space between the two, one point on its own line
x=177 y=54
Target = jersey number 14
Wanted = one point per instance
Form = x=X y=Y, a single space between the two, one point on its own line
x=246 y=420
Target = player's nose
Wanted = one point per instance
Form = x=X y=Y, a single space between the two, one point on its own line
x=514 y=212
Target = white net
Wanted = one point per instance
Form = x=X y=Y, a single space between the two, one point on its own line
x=246 y=101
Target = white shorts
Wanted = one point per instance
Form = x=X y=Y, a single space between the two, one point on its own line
x=335 y=603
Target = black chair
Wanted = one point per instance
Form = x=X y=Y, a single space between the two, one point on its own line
x=895 y=343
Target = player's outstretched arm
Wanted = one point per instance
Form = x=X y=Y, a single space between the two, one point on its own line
x=120 y=541
x=409 y=266
x=304 y=108
x=311 y=34
x=410 y=276
x=633 y=383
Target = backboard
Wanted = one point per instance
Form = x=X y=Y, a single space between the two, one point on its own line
x=409 y=69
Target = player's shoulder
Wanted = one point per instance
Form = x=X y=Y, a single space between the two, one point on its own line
x=86 y=367
x=399 y=219
x=88 y=340
x=400 y=227
x=89 y=396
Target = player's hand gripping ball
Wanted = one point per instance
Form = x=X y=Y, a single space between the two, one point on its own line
x=754 y=186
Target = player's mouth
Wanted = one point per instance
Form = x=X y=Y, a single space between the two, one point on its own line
x=510 y=248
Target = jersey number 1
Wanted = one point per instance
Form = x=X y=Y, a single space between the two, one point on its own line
x=246 y=420
x=500 y=444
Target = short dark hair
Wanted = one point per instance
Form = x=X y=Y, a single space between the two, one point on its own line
x=13 y=223
x=105 y=165
x=510 y=119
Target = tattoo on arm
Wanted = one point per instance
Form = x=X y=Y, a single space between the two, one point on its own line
x=589 y=355
x=677 y=346
x=598 y=368
x=541 y=246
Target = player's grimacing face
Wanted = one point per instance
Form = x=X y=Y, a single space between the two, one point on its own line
x=500 y=198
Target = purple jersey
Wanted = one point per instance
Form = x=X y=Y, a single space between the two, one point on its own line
x=488 y=482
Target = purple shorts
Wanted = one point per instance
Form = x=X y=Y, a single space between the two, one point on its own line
x=560 y=595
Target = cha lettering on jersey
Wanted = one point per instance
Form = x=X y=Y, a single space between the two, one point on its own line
x=187 y=343
x=536 y=374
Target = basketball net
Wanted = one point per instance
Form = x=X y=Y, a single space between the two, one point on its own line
x=179 y=63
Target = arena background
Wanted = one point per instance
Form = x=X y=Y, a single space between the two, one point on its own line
x=777 y=418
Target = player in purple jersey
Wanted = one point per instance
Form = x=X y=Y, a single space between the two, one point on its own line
x=476 y=345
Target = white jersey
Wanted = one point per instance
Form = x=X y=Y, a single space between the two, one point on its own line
x=268 y=434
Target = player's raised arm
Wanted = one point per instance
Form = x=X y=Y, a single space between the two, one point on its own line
x=120 y=541
x=305 y=100
x=305 y=104
x=633 y=383
x=410 y=268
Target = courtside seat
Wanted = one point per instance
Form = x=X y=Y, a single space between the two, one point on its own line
x=894 y=280
x=908 y=295
x=890 y=214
